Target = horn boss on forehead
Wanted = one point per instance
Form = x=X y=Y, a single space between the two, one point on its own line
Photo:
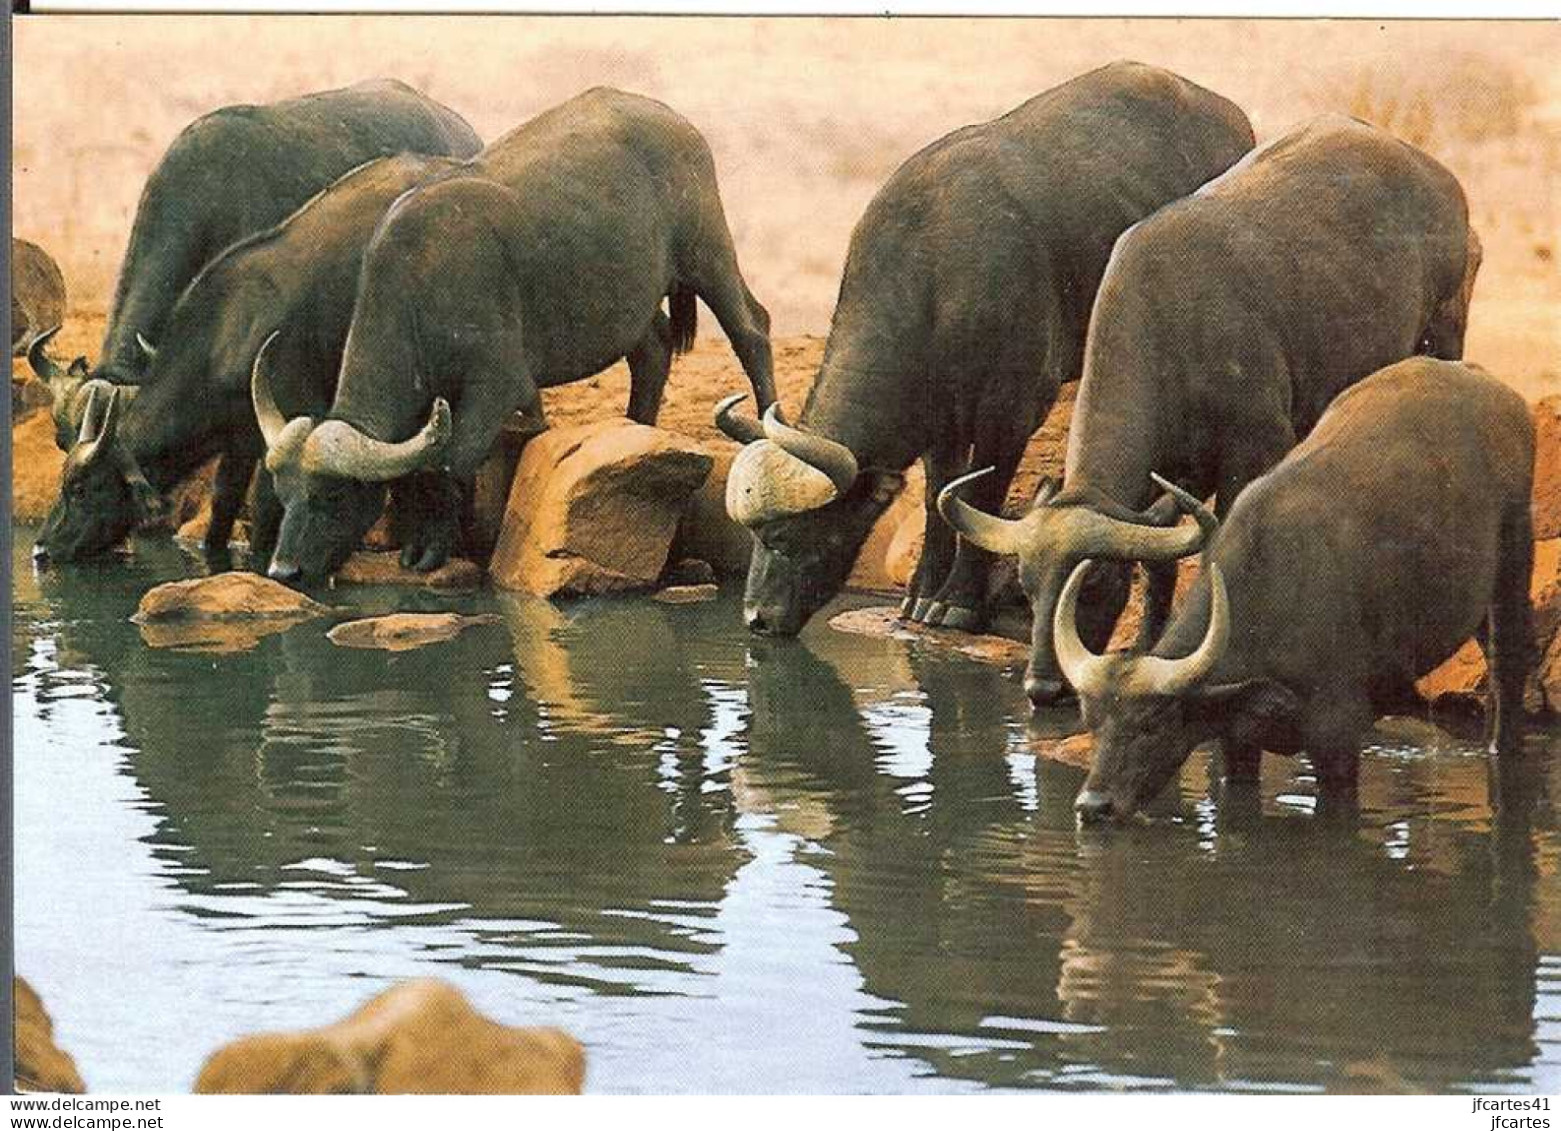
x=766 y=482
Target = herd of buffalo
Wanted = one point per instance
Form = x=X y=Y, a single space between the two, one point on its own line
x=349 y=290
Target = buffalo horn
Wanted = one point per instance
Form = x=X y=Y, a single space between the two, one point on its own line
x=988 y=531
x=743 y=429
x=38 y=357
x=267 y=415
x=1155 y=675
x=833 y=459
x=337 y=448
x=1083 y=669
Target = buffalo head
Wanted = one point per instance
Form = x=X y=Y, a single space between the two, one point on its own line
x=1148 y=712
x=69 y=387
x=1055 y=536
x=103 y=492
x=330 y=478
x=809 y=508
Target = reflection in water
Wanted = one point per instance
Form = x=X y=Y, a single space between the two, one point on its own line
x=733 y=864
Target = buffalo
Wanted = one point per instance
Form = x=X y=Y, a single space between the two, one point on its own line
x=540 y=262
x=37 y=293
x=1360 y=562
x=962 y=311
x=230 y=173
x=194 y=403
x=1225 y=324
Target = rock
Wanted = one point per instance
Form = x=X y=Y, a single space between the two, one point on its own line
x=235 y=595
x=904 y=550
x=706 y=531
x=41 y=1065
x=593 y=508
x=399 y=632
x=37 y=293
x=1547 y=468
x=419 y=1036
x=227 y=612
x=384 y=568
x=491 y=488
x=885 y=621
x=35 y=468
x=687 y=594
x=689 y=571
x=1548 y=677
x=1073 y=750
x=1461 y=680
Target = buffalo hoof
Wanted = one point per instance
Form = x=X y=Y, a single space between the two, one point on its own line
x=425 y=557
x=963 y=618
x=908 y=607
x=431 y=559
x=922 y=607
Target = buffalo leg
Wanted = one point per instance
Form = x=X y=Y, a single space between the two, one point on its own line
x=1332 y=737
x=227 y=497
x=434 y=527
x=961 y=602
x=747 y=326
x=1510 y=637
x=1242 y=760
x=265 y=522
x=937 y=552
x=649 y=364
x=489 y=400
x=1158 y=595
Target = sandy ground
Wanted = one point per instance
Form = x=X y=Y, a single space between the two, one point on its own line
x=699 y=379
x=806 y=116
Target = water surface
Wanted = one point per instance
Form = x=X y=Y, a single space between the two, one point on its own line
x=834 y=864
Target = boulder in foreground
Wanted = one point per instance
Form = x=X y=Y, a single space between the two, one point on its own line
x=418 y=1036
x=399 y=632
x=41 y=1065
x=593 y=508
x=234 y=595
x=227 y=612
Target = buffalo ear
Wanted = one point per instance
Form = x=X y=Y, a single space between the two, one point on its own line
x=886 y=485
x=1255 y=712
x=149 y=505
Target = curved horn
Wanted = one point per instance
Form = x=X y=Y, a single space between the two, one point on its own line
x=109 y=423
x=337 y=448
x=743 y=429
x=267 y=415
x=999 y=535
x=1126 y=540
x=99 y=421
x=1155 y=675
x=37 y=356
x=146 y=347
x=1191 y=504
x=833 y=459
x=91 y=412
x=1082 y=668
